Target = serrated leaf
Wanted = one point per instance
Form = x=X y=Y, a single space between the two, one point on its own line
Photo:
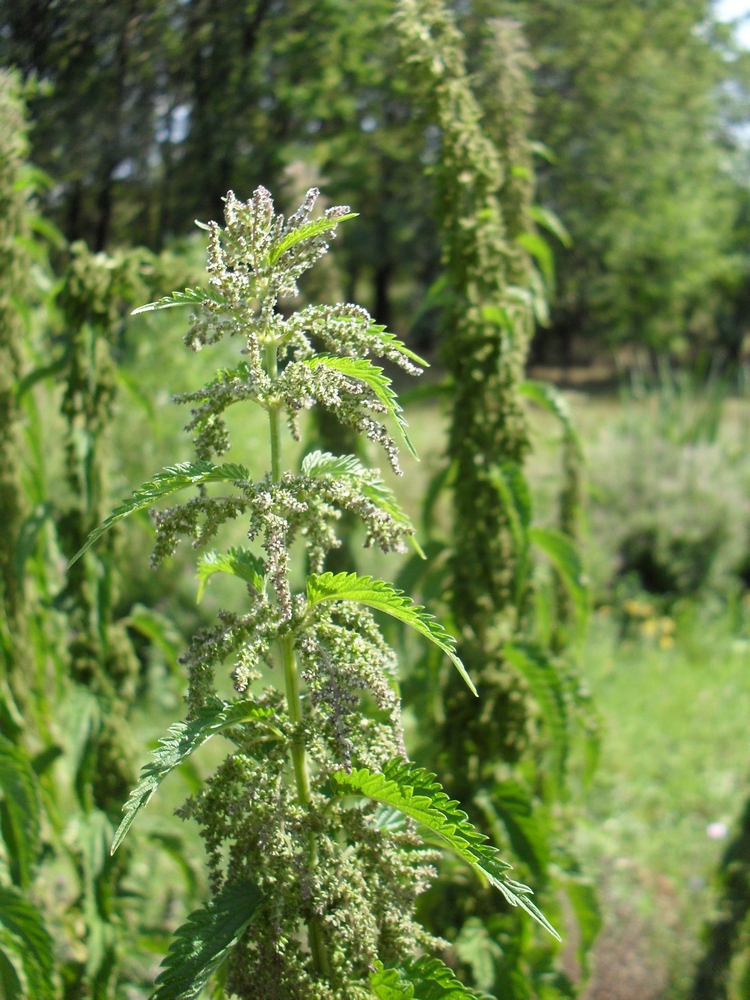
x=416 y=793
x=172 y=479
x=426 y=979
x=183 y=739
x=236 y=561
x=205 y=940
x=382 y=596
x=514 y=494
x=373 y=377
x=546 y=687
x=306 y=232
x=323 y=463
x=188 y=297
x=20 y=811
x=563 y=553
x=391 y=340
x=34 y=944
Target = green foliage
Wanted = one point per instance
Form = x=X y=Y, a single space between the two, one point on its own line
x=190 y=297
x=25 y=944
x=566 y=558
x=205 y=941
x=364 y=371
x=498 y=273
x=318 y=463
x=638 y=177
x=414 y=791
x=545 y=684
x=176 y=478
x=183 y=739
x=14 y=289
x=237 y=561
x=316 y=227
x=19 y=811
x=425 y=979
x=383 y=597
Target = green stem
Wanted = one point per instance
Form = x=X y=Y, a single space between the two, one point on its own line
x=273 y=416
x=302 y=779
x=291 y=678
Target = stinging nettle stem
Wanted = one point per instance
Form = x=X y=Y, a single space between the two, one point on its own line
x=291 y=681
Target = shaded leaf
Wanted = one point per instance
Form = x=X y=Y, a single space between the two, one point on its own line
x=584 y=901
x=43 y=761
x=383 y=597
x=205 y=940
x=236 y=561
x=11 y=987
x=514 y=494
x=33 y=942
x=172 y=479
x=546 y=687
x=183 y=739
x=563 y=553
x=426 y=979
x=524 y=823
x=20 y=811
x=477 y=948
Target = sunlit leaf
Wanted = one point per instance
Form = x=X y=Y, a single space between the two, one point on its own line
x=373 y=377
x=306 y=232
x=383 y=597
x=416 y=793
x=188 y=297
x=183 y=739
x=426 y=979
x=172 y=479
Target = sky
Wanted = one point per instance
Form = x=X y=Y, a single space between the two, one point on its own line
x=728 y=10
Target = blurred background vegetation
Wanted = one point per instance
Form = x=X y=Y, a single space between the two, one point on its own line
x=124 y=121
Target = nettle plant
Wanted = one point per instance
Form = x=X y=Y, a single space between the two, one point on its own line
x=320 y=833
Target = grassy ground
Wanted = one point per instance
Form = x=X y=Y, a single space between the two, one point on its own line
x=672 y=685
x=674 y=764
